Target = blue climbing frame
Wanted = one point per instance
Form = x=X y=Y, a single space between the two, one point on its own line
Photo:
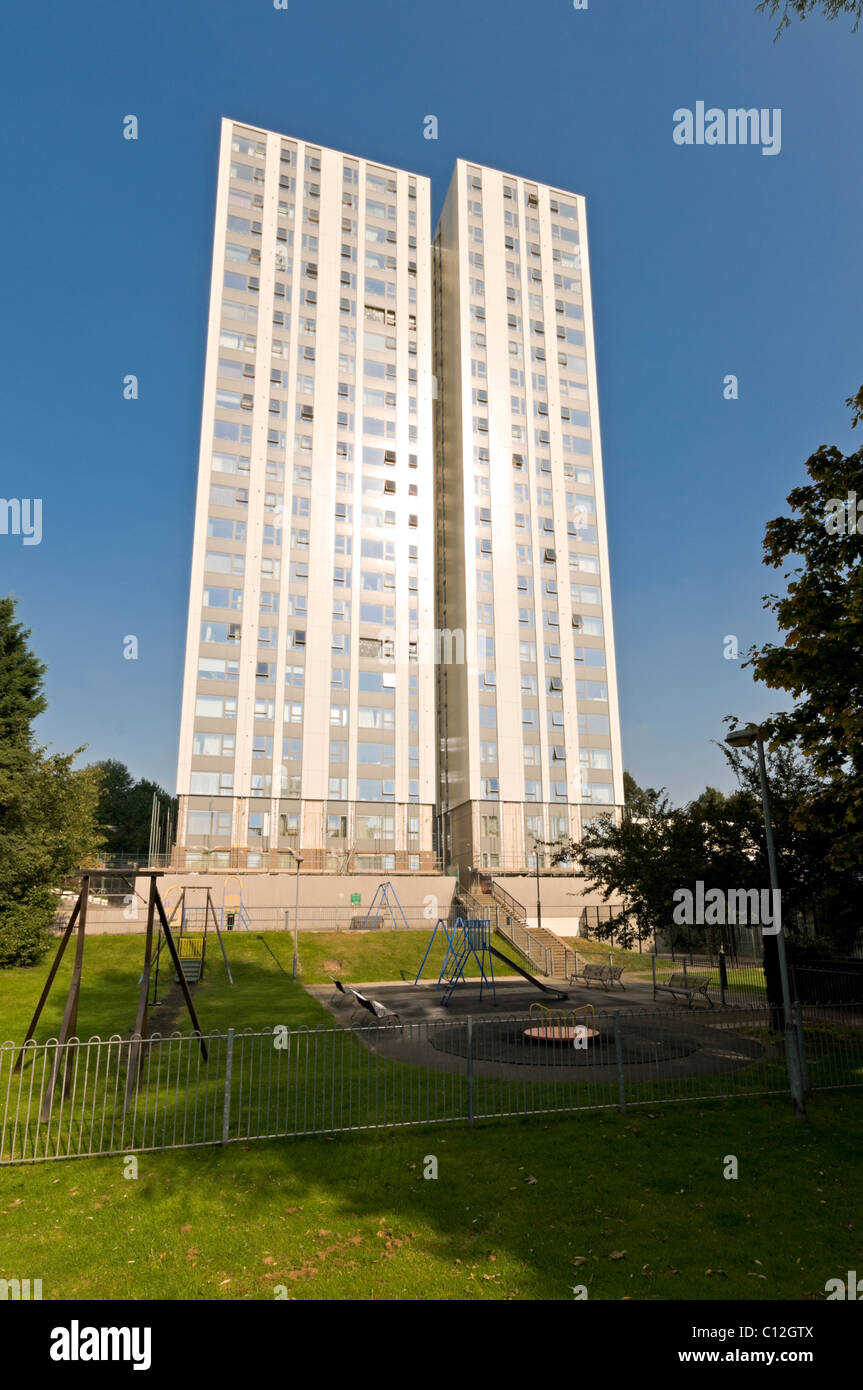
x=464 y=939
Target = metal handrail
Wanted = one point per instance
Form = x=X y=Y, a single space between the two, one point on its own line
x=473 y=904
x=516 y=930
x=513 y=907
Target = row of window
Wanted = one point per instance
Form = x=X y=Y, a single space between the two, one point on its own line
x=219 y=745
x=587 y=656
x=547 y=555
x=219 y=669
x=368 y=716
x=597 y=793
x=289 y=784
x=372 y=648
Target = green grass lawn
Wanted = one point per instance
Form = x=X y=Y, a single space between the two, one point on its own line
x=632 y=1206
x=263 y=993
x=261 y=964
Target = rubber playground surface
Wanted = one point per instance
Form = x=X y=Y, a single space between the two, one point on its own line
x=675 y=1043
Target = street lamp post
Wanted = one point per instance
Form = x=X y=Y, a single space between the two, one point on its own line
x=744 y=738
x=295 y=966
x=538 y=902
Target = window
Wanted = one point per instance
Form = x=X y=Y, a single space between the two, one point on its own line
x=210 y=783
x=213 y=745
x=214 y=669
x=216 y=707
x=222 y=598
x=595 y=757
x=375 y=753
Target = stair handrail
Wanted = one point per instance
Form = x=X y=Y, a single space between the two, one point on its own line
x=517 y=931
x=513 y=907
x=477 y=908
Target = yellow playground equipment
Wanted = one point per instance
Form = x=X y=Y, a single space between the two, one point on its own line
x=559 y=1025
x=235 y=917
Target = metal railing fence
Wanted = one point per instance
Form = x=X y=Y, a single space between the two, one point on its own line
x=117 y=919
x=282 y=1081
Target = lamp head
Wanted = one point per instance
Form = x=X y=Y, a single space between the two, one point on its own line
x=743 y=738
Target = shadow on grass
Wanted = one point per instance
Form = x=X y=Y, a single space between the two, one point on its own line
x=631 y=1206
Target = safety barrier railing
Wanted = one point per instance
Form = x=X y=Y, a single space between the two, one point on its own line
x=107 y=1096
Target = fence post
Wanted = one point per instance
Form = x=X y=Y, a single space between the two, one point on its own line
x=470 y=1071
x=801 y=1046
x=229 y=1067
x=621 y=1084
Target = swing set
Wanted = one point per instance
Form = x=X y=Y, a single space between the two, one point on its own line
x=63 y=1052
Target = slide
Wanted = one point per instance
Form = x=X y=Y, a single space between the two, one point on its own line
x=546 y=989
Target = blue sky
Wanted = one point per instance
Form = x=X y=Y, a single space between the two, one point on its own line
x=705 y=261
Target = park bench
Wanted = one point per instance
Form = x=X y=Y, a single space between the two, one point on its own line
x=689 y=986
x=607 y=975
x=371 y=1006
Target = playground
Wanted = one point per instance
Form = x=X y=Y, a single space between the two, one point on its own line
x=463 y=1032
x=459 y=994
x=520 y=1026
x=521 y=1039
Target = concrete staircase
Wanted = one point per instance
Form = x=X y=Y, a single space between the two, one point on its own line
x=558 y=949
x=544 y=951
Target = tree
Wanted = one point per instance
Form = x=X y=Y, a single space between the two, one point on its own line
x=125 y=807
x=657 y=850
x=47 y=807
x=21 y=675
x=801 y=8
x=637 y=801
x=820 y=662
x=633 y=862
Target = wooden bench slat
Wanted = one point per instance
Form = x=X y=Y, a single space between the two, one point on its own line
x=606 y=974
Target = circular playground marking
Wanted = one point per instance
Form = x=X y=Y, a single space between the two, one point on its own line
x=550 y=1045
x=560 y=1032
